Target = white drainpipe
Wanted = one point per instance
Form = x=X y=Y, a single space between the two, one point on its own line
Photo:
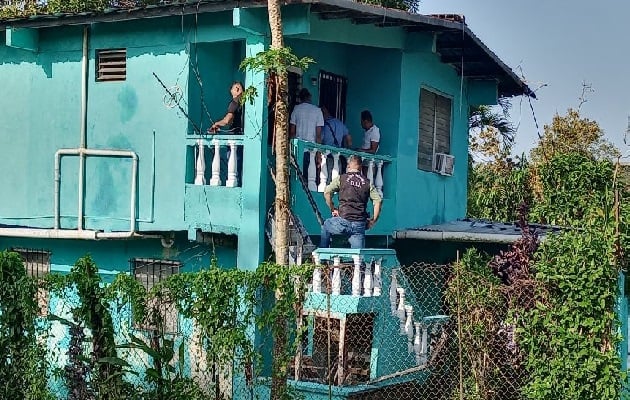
x=84 y=75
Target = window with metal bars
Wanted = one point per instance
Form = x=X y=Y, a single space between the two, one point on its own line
x=434 y=134
x=37 y=264
x=333 y=90
x=161 y=314
x=111 y=65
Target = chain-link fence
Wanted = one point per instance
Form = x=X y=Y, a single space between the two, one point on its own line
x=360 y=327
x=377 y=331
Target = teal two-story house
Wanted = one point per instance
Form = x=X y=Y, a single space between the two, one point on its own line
x=104 y=116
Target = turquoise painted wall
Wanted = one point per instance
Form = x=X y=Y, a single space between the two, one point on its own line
x=385 y=77
x=426 y=197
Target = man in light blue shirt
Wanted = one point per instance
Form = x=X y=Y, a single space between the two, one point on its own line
x=334 y=132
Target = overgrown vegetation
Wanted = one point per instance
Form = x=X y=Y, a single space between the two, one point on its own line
x=22 y=365
x=547 y=314
x=223 y=308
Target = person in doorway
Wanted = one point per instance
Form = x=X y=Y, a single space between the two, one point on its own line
x=306 y=119
x=372 y=135
x=306 y=123
x=335 y=133
x=234 y=116
x=351 y=218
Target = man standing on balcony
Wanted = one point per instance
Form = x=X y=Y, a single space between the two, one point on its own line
x=306 y=119
x=335 y=133
x=351 y=218
x=234 y=114
x=372 y=135
x=306 y=123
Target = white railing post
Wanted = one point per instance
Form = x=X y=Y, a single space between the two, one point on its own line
x=370 y=171
x=232 y=176
x=317 y=275
x=200 y=165
x=378 y=180
x=216 y=165
x=367 y=281
x=401 y=310
x=336 y=278
x=356 y=276
x=378 y=281
x=312 y=170
x=393 y=292
x=323 y=173
x=409 y=328
x=424 y=344
x=416 y=343
x=336 y=167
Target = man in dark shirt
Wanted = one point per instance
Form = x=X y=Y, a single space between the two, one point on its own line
x=234 y=115
x=351 y=219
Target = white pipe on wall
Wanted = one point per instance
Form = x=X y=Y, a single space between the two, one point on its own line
x=84 y=82
x=100 y=153
x=48 y=233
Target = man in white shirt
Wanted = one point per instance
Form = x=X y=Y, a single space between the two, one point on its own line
x=372 y=135
x=306 y=119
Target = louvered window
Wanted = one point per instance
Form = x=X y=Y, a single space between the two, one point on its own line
x=37 y=264
x=161 y=313
x=111 y=65
x=435 y=128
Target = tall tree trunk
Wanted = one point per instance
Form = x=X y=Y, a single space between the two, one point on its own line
x=281 y=223
x=281 y=143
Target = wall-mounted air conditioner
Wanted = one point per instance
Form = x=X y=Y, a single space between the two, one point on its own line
x=444 y=164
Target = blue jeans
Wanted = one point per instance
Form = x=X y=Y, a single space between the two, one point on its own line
x=341 y=226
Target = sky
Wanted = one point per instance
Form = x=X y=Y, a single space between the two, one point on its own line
x=559 y=44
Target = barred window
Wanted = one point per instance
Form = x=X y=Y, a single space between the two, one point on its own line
x=37 y=264
x=434 y=129
x=159 y=311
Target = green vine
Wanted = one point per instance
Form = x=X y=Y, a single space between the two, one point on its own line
x=23 y=365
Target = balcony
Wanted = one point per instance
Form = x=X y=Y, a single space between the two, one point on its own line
x=213 y=197
x=379 y=169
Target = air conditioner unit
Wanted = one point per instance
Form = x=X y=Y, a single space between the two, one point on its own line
x=444 y=164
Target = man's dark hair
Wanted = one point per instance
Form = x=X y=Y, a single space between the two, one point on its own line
x=355 y=159
x=304 y=95
x=366 y=116
x=237 y=83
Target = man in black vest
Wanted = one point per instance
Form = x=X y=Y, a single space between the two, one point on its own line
x=351 y=219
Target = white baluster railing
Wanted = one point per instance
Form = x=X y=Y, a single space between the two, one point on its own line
x=200 y=164
x=336 y=278
x=378 y=180
x=417 y=347
x=317 y=275
x=312 y=170
x=323 y=172
x=393 y=293
x=367 y=281
x=370 y=171
x=232 y=177
x=376 y=163
x=216 y=165
x=409 y=328
x=336 y=166
x=378 y=280
x=356 y=276
x=220 y=146
x=400 y=312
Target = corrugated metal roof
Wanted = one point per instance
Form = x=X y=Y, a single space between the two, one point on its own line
x=474 y=230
